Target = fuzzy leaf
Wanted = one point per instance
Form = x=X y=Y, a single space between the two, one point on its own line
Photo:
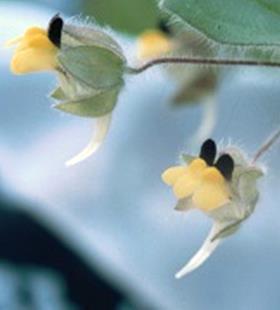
x=239 y=22
x=123 y=15
x=95 y=106
x=95 y=66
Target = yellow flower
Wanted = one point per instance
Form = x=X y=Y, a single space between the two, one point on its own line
x=89 y=65
x=202 y=181
x=34 y=52
x=154 y=42
x=212 y=192
x=185 y=179
x=224 y=189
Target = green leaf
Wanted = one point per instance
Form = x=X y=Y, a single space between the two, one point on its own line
x=238 y=22
x=131 y=16
x=95 y=66
x=95 y=106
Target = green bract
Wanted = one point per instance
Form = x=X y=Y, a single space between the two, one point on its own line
x=58 y=94
x=81 y=35
x=95 y=66
x=100 y=104
x=91 y=70
x=238 y=22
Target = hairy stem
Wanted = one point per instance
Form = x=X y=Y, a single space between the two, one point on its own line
x=267 y=145
x=202 y=61
x=216 y=62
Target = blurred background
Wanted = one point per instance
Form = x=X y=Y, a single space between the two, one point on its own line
x=103 y=234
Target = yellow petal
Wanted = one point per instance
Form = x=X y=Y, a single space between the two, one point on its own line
x=213 y=175
x=171 y=175
x=41 y=41
x=30 y=32
x=185 y=186
x=38 y=41
x=212 y=192
x=153 y=43
x=35 y=52
x=32 y=60
x=187 y=183
x=197 y=166
x=13 y=41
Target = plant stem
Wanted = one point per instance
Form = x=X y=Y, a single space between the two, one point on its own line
x=215 y=62
x=267 y=145
x=202 y=61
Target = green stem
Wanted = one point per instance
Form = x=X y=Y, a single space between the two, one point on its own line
x=215 y=62
x=202 y=61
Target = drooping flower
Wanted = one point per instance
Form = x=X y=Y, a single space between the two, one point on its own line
x=89 y=64
x=225 y=189
x=167 y=39
x=157 y=42
x=195 y=84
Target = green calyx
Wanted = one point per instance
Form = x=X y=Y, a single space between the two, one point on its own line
x=91 y=70
x=94 y=66
x=97 y=105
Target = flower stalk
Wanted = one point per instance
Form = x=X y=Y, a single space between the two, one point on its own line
x=267 y=145
x=202 y=61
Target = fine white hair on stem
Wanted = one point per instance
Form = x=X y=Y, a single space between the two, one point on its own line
x=208 y=121
x=207 y=248
x=102 y=125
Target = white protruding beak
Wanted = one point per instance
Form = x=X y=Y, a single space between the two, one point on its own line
x=207 y=248
x=102 y=125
